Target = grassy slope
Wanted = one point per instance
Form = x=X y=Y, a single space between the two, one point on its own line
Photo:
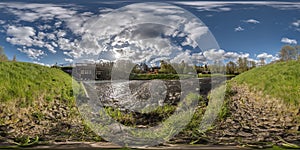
x=26 y=82
x=280 y=80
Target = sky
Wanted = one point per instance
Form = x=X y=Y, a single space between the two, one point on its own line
x=64 y=32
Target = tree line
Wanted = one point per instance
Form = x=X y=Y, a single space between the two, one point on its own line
x=287 y=53
x=3 y=56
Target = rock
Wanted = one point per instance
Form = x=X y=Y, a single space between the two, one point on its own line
x=244 y=134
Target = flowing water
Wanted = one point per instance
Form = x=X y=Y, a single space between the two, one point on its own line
x=138 y=94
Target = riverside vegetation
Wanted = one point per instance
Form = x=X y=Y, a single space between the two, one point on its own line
x=38 y=105
x=261 y=109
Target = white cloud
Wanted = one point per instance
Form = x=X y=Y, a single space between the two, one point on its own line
x=252 y=21
x=61 y=33
x=43 y=64
x=244 y=55
x=50 y=48
x=26 y=36
x=296 y=23
x=235 y=56
x=32 y=11
x=214 y=54
x=268 y=57
x=288 y=41
x=264 y=55
x=105 y=10
x=275 y=58
x=20 y=35
x=231 y=55
x=2 y=21
x=44 y=27
x=32 y=53
x=57 y=24
x=69 y=60
x=215 y=5
x=198 y=58
x=96 y=32
x=239 y=28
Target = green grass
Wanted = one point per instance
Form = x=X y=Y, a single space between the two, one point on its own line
x=200 y=75
x=279 y=80
x=26 y=82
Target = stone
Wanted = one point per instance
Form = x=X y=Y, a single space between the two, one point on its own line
x=244 y=134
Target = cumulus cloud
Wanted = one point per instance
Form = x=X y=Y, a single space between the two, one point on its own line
x=198 y=58
x=288 y=41
x=214 y=54
x=32 y=11
x=239 y=28
x=264 y=55
x=20 y=35
x=147 y=34
x=268 y=57
x=214 y=5
x=32 y=53
x=296 y=23
x=107 y=31
x=40 y=63
x=2 y=21
x=68 y=60
x=231 y=55
x=26 y=36
x=252 y=21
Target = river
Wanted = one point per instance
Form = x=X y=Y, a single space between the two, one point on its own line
x=138 y=94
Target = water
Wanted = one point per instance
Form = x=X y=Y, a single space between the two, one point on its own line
x=139 y=94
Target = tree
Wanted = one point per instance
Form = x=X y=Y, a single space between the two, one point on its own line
x=3 y=57
x=14 y=58
x=288 y=52
x=262 y=61
x=231 y=67
x=298 y=51
x=242 y=64
x=166 y=68
x=252 y=64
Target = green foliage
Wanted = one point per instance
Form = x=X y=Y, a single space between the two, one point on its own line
x=288 y=52
x=166 y=68
x=200 y=75
x=279 y=80
x=26 y=83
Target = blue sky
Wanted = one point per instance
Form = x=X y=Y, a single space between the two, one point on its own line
x=47 y=32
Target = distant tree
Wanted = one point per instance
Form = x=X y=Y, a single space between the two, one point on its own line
x=262 y=61
x=298 y=51
x=217 y=67
x=288 y=52
x=166 y=68
x=242 y=64
x=231 y=67
x=252 y=64
x=181 y=66
x=3 y=57
x=14 y=58
x=199 y=69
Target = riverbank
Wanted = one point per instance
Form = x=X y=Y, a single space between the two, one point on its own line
x=38 y=105
x=251 y=115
